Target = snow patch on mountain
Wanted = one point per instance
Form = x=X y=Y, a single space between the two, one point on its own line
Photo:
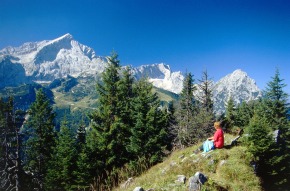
x=52 y=59
x=48 y=60
x=161 y=76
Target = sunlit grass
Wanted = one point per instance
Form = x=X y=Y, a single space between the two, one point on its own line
x=226 y=169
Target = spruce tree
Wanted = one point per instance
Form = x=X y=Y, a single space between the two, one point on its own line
x=277 y=106
x=63 y=161
x=276 y=113
x=149 y=134
x=204 y=115
x=109 y=131
x=230 y=115
x=125 y=105
x=205 y=98
x=41 y=138
x=260 y=139
x=2 y=132
x=12 y=175
x=244 y=113
x=172 y=125
x=184 y=114
x=81 y=137
x=82 y=174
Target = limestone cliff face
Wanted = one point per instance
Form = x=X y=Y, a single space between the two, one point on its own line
x=49 y=60
x=54 y=59
x=237 y=85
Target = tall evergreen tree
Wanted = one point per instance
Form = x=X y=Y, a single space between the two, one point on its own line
x=204 y=117
x=149 y=133
x=205 y=98
x=41 y=133
x=171 y=124
x=244 y=113
x=81 y=136
x=276 y=100
x=12 y=175
x=82 y=174
x=260 y=139
x=272 y=166
x=108 y=125
x=63 y=161
x=125 y=105
x=83 y=170
x=230 y=115
x=276 y=113
x=185 y=131
x=2 y=132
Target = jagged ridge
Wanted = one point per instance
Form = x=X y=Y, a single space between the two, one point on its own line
x=55 y=59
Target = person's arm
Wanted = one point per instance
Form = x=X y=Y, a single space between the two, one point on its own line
x=210 y=138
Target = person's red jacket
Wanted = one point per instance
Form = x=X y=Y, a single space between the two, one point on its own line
x=218 y=139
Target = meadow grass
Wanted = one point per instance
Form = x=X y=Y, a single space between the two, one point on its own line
x=226 y=169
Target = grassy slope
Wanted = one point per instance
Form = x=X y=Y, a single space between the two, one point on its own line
x=62 y=100
x=226 y=169
x=234 y=174
x=165 y=95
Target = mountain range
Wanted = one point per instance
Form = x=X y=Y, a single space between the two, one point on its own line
x=49 y=61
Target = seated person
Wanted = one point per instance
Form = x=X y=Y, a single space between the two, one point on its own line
x=216 y=141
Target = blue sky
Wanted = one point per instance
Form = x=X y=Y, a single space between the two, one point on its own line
x=189 y=35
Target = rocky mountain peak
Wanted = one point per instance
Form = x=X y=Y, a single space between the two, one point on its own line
x=237 y=85
x=66 y=36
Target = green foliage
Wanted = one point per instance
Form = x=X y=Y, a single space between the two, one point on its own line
x=41 y=136
x=74 y=117
x=60 y=173
x=12 y=175
x=184 y=113
x=276 y=113
x=264 y=117
x=205 y=85
x=109 y=127
x=244 y=113
x=165 y=96
x=194 y=116
x=127 y=124
x=24 y=95
x=149 y=134
x=82 y=171
x=226 y=169
x=68 y=84
x=230 y=115
x=204 y=116
x=202 y=125
x=277 y=107
x=260 y=139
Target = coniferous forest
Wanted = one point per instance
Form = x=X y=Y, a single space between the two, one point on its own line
x=130 y=131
